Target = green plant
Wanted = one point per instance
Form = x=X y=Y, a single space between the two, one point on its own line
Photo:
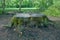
x=53 y=10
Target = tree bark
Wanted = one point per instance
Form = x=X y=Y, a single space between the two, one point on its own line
x=3 y=6
x=20 y=5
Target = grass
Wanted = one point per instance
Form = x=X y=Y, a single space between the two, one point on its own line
x=53 y=10
x=18 y=8
x=24 y=10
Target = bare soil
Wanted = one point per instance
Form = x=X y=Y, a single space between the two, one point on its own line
x=50 y=33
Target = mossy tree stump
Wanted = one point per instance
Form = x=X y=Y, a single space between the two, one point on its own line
x=22 y=21
x=30 y=20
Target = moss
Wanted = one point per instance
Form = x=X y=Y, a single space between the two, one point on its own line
x=16 y=21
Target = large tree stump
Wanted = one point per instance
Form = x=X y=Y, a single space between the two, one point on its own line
x=30 y=20
x=21 y=22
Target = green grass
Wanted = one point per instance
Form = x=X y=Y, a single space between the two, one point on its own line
x=18 y=8
x=22 y=9
x=53 y=10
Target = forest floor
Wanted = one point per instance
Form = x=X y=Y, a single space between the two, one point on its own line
x=50 y=33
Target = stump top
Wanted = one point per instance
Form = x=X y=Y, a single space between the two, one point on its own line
x=28 y=15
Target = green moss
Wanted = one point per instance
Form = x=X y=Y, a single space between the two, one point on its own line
x=16 y=21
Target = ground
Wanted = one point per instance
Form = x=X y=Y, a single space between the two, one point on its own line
x=50 y=33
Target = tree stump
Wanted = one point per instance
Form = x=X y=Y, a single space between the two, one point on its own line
x=30 y=20
x=21 y=22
